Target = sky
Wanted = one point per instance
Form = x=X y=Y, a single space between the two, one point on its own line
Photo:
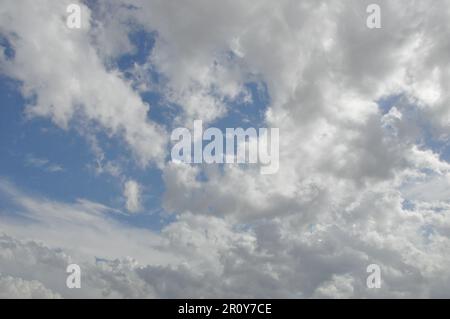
x=86 y=177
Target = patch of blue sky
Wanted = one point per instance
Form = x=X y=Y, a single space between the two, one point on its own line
x=428 y=138
x=8 y=50
x=246 y=114
x=143 y=43
x=21 y=138
x=386 y=103
x=408 y=205
x=241 y=113
x=161 y=111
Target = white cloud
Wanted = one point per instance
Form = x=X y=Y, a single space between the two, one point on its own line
x=42 y=163
x=132 y=193
x=13 y=288
x=83 y=228
x=65 y=79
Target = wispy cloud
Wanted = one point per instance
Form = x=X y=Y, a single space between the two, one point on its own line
x=43 y=163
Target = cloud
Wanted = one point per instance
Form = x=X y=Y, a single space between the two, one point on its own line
x=17 y=288
x=132 y=193
x=42 y=163
x=347 y=168
x=200 y=256
x=66 y=80
x=83 y=228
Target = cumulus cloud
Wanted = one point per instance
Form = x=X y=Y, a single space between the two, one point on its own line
x=17 y=288
x=64 y=78
x=359 y=182
x=204 y=256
